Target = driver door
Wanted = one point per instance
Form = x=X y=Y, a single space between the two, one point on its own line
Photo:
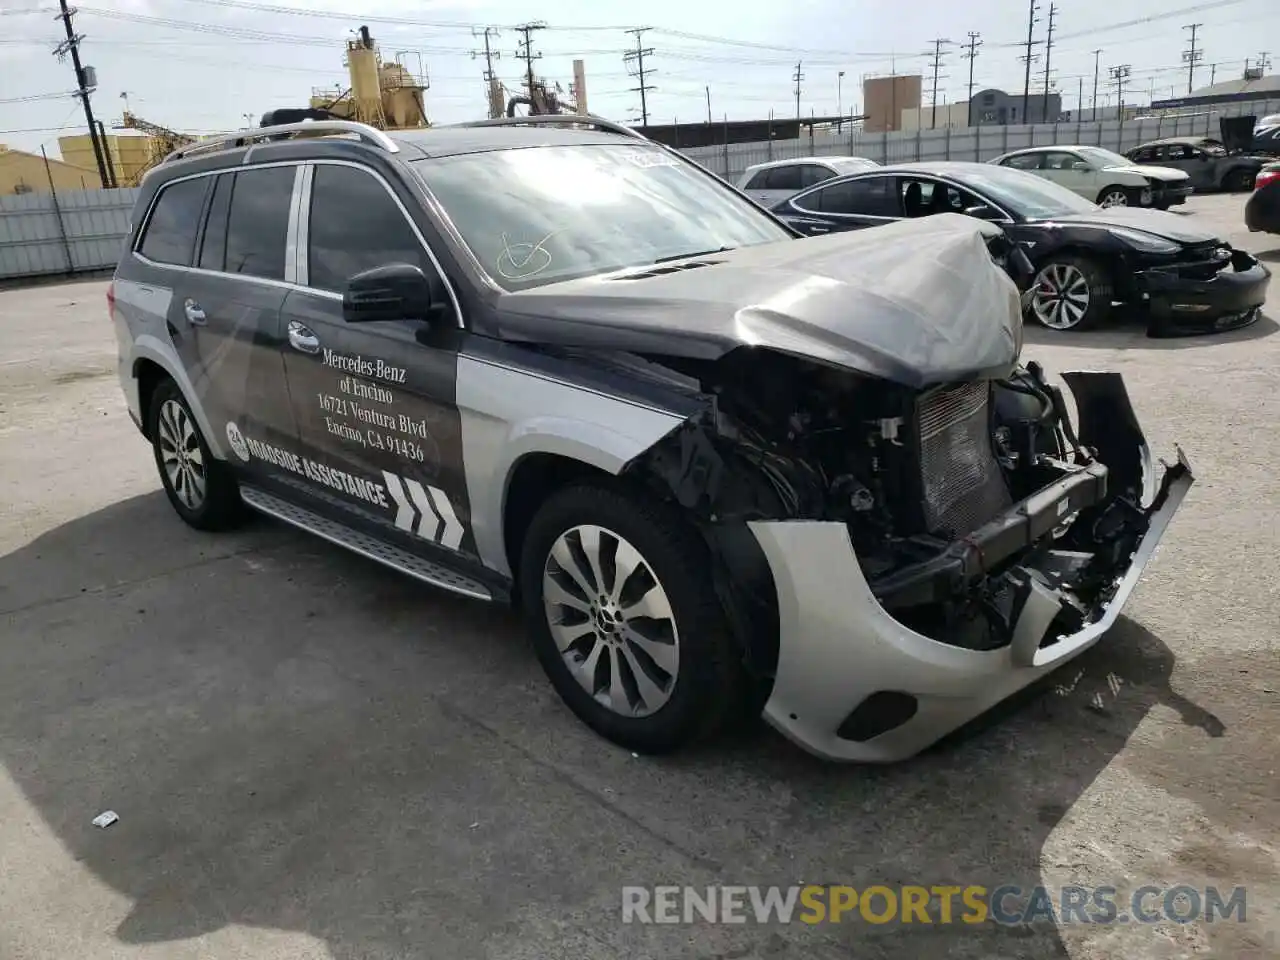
x=375 y=403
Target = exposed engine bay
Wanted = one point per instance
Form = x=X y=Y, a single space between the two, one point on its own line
x=960 y=499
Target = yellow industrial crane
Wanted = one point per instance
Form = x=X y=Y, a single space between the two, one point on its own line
x=161 y=141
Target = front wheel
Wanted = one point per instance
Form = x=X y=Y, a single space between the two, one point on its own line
x=625 y=620
x=1113 y=197
x=1070 y=293
x=1238 y=181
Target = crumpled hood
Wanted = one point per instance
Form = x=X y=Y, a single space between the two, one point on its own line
x=1171 y=226
x=1165 y=174
x=916 y=302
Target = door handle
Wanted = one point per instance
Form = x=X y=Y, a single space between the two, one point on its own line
x=301 y=338
x=195 y=313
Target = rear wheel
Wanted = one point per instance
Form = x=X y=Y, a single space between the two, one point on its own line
x=1238 y=181
x=201 y=489
x=1071 y=293
x=625 y=620
x=1113 y=197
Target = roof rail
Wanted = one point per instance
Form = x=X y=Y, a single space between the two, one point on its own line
x=241 y=138
x=557 y=119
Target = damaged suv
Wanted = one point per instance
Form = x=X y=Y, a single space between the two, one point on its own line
x=546 y=360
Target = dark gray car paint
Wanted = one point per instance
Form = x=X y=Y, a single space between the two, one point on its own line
x=793 y=297
x=1163 y=224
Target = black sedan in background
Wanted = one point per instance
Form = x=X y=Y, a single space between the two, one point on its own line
x=1085 y=257
x=1262 y=212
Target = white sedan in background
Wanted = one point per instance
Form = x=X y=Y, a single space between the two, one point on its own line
x=773 y=182
x=1103 y=177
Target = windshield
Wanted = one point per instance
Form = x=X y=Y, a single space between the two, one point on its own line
x=1103 y=158
x=1025 y=194
x=535 y=215
x=852 y=164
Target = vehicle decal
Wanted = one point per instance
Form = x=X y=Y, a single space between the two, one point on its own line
x=426 y=512
x=370 y=491
x=236 y=439
x=377 y=369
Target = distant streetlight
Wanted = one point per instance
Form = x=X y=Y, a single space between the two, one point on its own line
x=839 y=98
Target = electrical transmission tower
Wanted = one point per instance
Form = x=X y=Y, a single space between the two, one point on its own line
x=1028 y=57
x=1192 y=55
x=525 y=51
x=1119 y=75
x=936 y=54
x=636 y=57
x=491 y=89
x=796 y=78
x=86 y=83
x=1048 y=50
x=971 y=54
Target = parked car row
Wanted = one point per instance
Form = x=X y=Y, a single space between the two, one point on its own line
x=1086 y=257
x=1102 y=177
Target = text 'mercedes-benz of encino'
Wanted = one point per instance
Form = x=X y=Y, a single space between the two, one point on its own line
x=716 y=464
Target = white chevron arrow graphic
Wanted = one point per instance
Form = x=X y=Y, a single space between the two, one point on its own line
x=404 y=512
x=429 y=524
x=452 y=535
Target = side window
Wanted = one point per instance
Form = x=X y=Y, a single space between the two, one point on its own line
x=1060 y=161
x=1180 y=151
x=1145 y=155
x=1023 y=161
x=171 y=231
x=258 y=222
x=757 y=181
x=785 y=178
x=213 y=248
x=870 y=197
x=812 y=173
x=341 y=245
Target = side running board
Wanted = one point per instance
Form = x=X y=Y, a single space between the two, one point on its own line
x=363 y=544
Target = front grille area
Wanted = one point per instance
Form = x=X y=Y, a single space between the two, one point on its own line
x=962 y=482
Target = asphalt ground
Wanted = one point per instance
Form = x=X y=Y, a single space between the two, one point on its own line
x=311 y=756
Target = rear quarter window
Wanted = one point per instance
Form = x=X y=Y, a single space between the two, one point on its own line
x=170 y=233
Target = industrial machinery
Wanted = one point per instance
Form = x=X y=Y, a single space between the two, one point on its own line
x=383 y=94
x=160 y=142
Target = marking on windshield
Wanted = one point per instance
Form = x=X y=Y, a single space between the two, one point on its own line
x=520 y=261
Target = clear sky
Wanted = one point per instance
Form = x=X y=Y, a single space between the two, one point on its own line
x=202 y=65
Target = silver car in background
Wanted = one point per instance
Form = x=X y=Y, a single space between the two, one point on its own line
x=775 y=181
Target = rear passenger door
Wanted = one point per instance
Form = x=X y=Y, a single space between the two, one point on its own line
x=226 y=284
x=375 y=403
x=846 y=205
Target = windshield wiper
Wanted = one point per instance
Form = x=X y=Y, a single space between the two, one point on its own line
x=697 y=253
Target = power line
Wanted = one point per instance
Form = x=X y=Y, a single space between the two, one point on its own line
x=86 y=82
x=937 y=65
x=525 y=51
x=637 y=56
x=1032 y=20
x=1119 y=75
x=1192 y=55
x=797 y=77
x=1048 y=52
x=971 y=54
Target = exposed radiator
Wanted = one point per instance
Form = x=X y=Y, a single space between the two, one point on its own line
x=963 y=484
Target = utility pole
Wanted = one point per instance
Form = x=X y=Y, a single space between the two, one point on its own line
x=524 y=50
x=86 y=82
x=796 y=78
x=1093 y=104
x=708 y=89
x=1192 y=55
x=975 y=41
x=1079 y=97
x=1032 y=20
x=490 y=77
x=1048 y=51
x=637 y=56
x=937 y=64
x=1119 y=75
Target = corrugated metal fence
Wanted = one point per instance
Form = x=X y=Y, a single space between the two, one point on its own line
x=76 y=232
x=82 y=230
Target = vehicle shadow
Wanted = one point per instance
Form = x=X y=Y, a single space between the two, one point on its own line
x=1129 y=330
x=296 y=739
x=1272 y=256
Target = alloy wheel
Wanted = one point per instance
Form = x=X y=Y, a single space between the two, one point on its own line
x=181 y=456
x=1061 y=297
x=1114 y=198
x=611 y=620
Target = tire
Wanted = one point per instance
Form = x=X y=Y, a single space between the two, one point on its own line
x=685 y=690
x=201 y=489
x=1238 y=181
x=1162 y=205
x=1113 y=196
x=1057 y=286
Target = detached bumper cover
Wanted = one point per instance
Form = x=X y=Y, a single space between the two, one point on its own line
x=1171 y=195
x=1190 y=299
x=839 y=648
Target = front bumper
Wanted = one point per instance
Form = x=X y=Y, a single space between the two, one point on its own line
x=1182 y=300
x=1171 y=196
x=840 y=650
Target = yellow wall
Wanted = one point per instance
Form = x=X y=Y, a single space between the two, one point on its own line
x=130 y=156
x=22 y=172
